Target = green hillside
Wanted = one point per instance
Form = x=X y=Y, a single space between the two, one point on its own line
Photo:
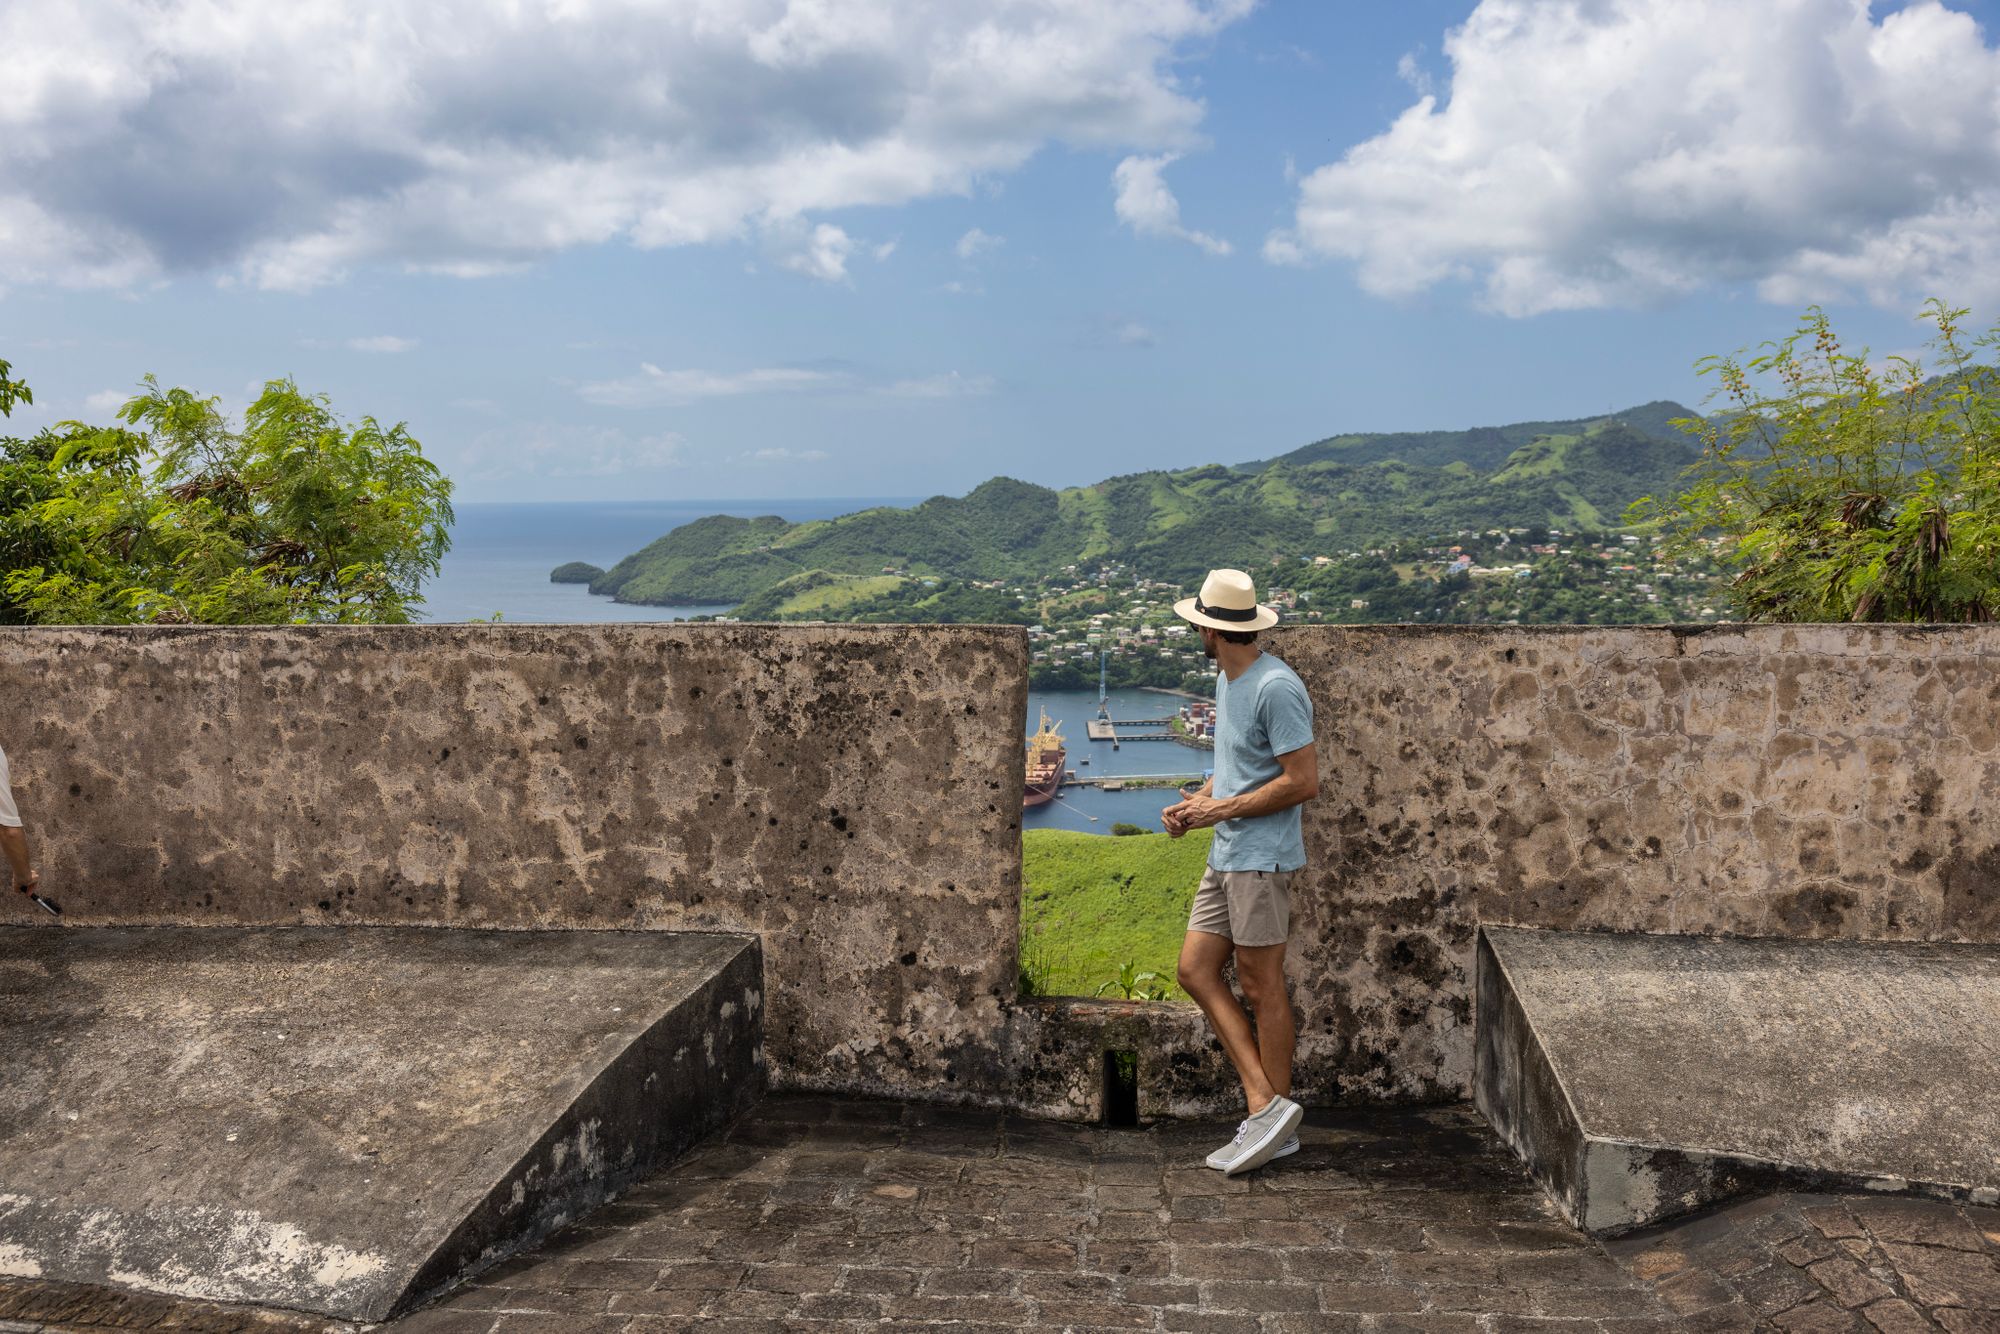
x=1353 y=491
x=1484 y=448
x=817 y=593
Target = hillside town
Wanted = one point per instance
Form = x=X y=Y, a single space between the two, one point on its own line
x=1502 y=576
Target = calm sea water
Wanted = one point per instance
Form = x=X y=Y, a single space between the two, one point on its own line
x=501 y=554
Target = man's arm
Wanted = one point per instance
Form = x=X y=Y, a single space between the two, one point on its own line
x=14 y=842
x=1297 y=784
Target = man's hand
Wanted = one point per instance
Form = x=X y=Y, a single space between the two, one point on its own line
x=1297 y=782
x=31 y=884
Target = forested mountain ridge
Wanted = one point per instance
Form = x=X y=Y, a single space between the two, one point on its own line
x=1485 y=448
x=1333 y=495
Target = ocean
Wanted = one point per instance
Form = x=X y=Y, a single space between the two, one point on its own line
x=501 y=554
x=500 y=559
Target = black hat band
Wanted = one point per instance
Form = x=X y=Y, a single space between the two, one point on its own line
x=1225 y=613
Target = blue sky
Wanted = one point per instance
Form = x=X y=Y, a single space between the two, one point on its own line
x=750 y=249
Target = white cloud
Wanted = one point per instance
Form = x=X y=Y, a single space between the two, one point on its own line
x=1134 y=334
x=608 y=454
x=1412 y=72
x=382 y=343
x=283 y=144
x=385 y=343
x=1589 y=155
x=781 y=455
x=976 y=242
x=886 y=249
x=1284 y=248
x=957 y=288
x=1148 y=207
x=1289 y=53
x=106 y=401
x=654 y=387
x=820 y=252
x=948 y=385
x=561 y=449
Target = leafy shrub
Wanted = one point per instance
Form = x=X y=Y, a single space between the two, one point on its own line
x=1849 y=491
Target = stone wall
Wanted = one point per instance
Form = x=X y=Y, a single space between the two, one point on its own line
x=1809 y=781
x=851 y=794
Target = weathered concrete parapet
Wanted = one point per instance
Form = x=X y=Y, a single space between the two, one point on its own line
x=1641 y=1076
x=850 y=795
x=346 y=1121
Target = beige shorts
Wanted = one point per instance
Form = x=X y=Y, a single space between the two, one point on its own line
x=1249 y=907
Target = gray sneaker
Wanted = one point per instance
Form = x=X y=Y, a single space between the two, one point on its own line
x=1260 y=1137
x=1220 y=1158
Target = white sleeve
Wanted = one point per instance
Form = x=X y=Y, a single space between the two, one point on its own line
x=10 y=814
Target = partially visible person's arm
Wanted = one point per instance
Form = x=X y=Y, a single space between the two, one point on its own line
x=1297 y=784
x=14 y=842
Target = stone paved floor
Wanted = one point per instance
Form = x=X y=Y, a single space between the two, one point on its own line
x=852 y=1215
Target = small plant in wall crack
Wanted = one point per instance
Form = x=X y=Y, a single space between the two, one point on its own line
x=1135 y=985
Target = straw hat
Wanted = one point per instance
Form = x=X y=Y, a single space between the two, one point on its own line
x=1227 y=601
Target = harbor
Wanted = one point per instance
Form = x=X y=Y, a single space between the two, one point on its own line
x=1106 y=782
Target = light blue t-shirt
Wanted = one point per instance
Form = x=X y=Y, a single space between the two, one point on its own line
x=1259 y=716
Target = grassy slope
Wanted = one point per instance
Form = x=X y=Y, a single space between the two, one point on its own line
x=833 y=597
x=1092 y=902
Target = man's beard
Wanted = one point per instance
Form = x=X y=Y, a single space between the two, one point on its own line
x=1208 y=647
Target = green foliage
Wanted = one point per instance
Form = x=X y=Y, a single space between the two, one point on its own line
x=1131 y=984
x=947 y=603
x=12 y=391
x=1124 y=672
x=575 y=572
x=1850 y=491
x=818 y=594
x=1038 y=965
x=716 y=559
x=1090 y=905
x=1120 y=829
x=1174 y=526
x=1483 y=448
x=174 y=516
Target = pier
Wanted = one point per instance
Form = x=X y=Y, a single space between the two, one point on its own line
x=1116 y=730
x=1125 y=782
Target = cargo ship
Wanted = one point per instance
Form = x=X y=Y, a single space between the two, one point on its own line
x=1045 y=765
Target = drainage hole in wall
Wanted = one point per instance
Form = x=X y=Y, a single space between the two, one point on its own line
x=1121 y=1088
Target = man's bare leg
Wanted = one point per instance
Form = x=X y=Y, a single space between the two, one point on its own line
x=1203 y=953
x=1260 y=971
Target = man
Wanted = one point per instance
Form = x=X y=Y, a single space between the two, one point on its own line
x=15 y=843
x=1264 y=770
